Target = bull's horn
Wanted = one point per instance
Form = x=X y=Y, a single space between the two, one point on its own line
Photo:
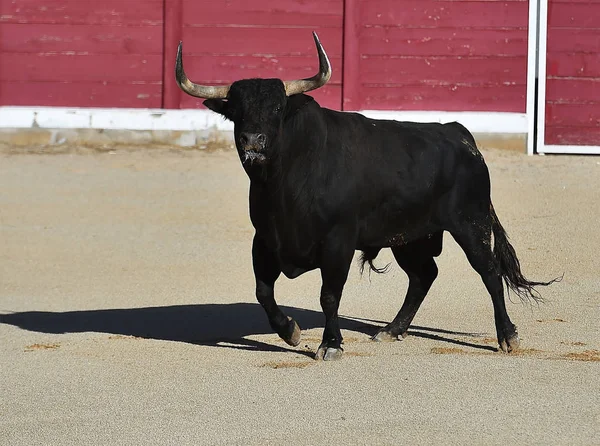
x=318 y=80
x=199 y=91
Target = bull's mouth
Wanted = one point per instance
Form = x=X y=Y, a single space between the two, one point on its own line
x=253 y=157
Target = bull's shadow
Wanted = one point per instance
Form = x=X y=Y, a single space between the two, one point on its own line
x=202 y=324
x=219 y=325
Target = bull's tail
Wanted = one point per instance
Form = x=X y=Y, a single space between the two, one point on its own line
x=510 y=268
x=368 y=256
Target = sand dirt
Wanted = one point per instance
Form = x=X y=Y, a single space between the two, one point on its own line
x=127 y=316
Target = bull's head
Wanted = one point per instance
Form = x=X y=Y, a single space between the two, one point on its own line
x=255 y=106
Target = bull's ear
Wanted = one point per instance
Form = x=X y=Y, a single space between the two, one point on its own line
x=218 y=106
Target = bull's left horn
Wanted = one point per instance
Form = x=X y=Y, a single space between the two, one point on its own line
x=318 y=80
x=199 y=91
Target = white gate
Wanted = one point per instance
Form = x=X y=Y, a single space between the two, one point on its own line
x=564 y=62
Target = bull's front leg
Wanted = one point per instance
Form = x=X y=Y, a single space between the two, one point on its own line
x=266 y=272
x=335 y=264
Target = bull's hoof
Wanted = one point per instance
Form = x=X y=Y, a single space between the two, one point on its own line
x=328 y=353
x=510 y=344
x=384 y=335
x=508 y=339
x=293 y=338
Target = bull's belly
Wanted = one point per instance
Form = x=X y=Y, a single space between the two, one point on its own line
x=393 y=237
x=293 y=263
x=293 y=271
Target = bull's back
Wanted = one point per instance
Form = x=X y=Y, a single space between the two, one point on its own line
x=404 y=173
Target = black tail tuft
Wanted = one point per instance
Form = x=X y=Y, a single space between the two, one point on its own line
x=368 y=257
x=510 y=268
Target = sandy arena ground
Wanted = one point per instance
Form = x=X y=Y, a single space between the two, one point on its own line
x=127 y=316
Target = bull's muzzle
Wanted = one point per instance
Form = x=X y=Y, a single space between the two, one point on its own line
x=253 y=141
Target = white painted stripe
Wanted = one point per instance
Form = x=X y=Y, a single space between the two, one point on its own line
x=111 y=119
x=541 y=105
x=531 y=73
x=572 y=150
x=192 y=120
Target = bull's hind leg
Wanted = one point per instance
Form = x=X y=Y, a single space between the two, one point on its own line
x=474 y=237
x=416 y=259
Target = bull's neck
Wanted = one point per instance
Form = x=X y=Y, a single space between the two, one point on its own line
x=301 y=136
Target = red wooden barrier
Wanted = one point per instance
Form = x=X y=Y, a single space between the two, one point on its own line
x=104 y=53
x=436 y=55
x=573 y=73
x=385 y=54
x=239 y=39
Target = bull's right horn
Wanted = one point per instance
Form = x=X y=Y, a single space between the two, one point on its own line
x=199 y=91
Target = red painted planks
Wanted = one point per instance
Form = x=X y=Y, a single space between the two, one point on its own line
x=237 y=39
x=443 y=42
x=509 y=98
x=573 y=40
x=83 y=94
x=573 y=73
x=417 y=70
x=93 y=39
x=578 y=15
x=226 y=69
x=81 y=53
x=573 y=135
x=573 y=65
x=574 y=91
x=351 y=71
x=83 y=12
x=283 y=13
x=173 y=33
x=443 y=55
x=441 y=14
x=90 y=68
x=584 y=115
x=263 y=41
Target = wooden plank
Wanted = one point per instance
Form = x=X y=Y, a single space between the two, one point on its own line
x=105 y=12
x=572 y=135
x=573 y=91
x=416 y=70
x=260 y=41
x=173 y=33
x=439 y=14
x=573 y=65
x=573 y=1
x=352 y=62
x=226 y=69
x=443 y=42
x=509 y=98
x=569 y=15
x=480 y=1
x=571 y=115
x=81 y=94
x=283 y=13
x=90 y=68
x=94 y=39
x=573 y=41
x=329 y=96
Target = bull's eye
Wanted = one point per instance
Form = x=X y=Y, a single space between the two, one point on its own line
x=277 y=109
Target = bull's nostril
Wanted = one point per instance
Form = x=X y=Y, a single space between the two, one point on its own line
x=243 y=139
x=261 y=139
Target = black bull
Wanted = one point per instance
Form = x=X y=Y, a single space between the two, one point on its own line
x=325 y=183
